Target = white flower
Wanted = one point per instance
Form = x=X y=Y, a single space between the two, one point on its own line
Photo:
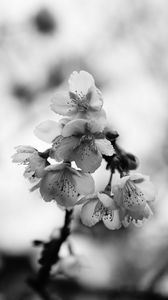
x=29 y=156
x=82 y=141
x=65 y=184
x=134 y=194
x=100 y=206
x=83 y=100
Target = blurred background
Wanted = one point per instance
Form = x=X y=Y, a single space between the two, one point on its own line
x=124 y=45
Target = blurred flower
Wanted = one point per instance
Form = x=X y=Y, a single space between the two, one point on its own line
x=100 y=206
x=84 y=100
x=73 y=266
x=134 y=195
x=64 y=184
x=23 y=92
x=82 y=141
x=29 y=156
x=44 y=21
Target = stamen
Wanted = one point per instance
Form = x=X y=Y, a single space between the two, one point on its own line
x=65 y=187
x=132 y=195
x=102 y=212
x=80 y=100
x=98 y=210
x=87 y=146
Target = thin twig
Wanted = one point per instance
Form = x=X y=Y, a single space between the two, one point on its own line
x=110 y=179
x=108 y=186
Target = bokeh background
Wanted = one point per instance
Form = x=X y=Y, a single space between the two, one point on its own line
x=124 y=45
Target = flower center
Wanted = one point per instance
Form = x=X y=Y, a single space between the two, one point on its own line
x=102 y=212
x=81 y=100
x=88 y=141
x=133 y=197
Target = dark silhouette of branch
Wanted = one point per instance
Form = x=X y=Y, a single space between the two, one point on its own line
x=49 y=257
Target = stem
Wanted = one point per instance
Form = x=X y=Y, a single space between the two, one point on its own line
x=121 y=174
x=116 y=148
x=110 y=179
x=50 y=256
x=52 y=250
x=108 y=186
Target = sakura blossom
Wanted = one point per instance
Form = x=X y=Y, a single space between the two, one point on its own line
x=83 y=100
x=100 y=207
x=64 y=184
x=82 y=141
x=134 y=194
x=30 y=157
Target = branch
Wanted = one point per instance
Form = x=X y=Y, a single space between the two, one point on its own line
x=50 y=256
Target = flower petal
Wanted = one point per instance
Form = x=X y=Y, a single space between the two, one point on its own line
x=62 y=104
x=94 y=126
x=80 y=82
x=96 y=100
x=137 y=214
x=84 y=183
x=30 y=174
x=138 y=177
x=145 y=185
x=106 y=200
x=104 y=146
x=138 y=223
x=133 y=197
x=56 y=167
x=148 y=190
x=126 y=221
x=47 y=185
x=47 y=131
x=112 y=221
x=118 y=195
x=86 y=158
x=74 y=127
x=83 y=199
x=90 y=114
x=25 y=149
x=54 y=151
x=148 y=212
x=122 y=181
x=88 y=217
x=62 y=147
x=59 y=186
x=23 y=153
x=38 y=164
x=21 y=158
x=67 y=191
x=63 y=121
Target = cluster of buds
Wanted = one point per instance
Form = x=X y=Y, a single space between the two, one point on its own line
x=82 y=136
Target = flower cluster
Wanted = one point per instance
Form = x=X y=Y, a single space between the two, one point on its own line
x=131 y=201
x=78 y=137
x=81 y=136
